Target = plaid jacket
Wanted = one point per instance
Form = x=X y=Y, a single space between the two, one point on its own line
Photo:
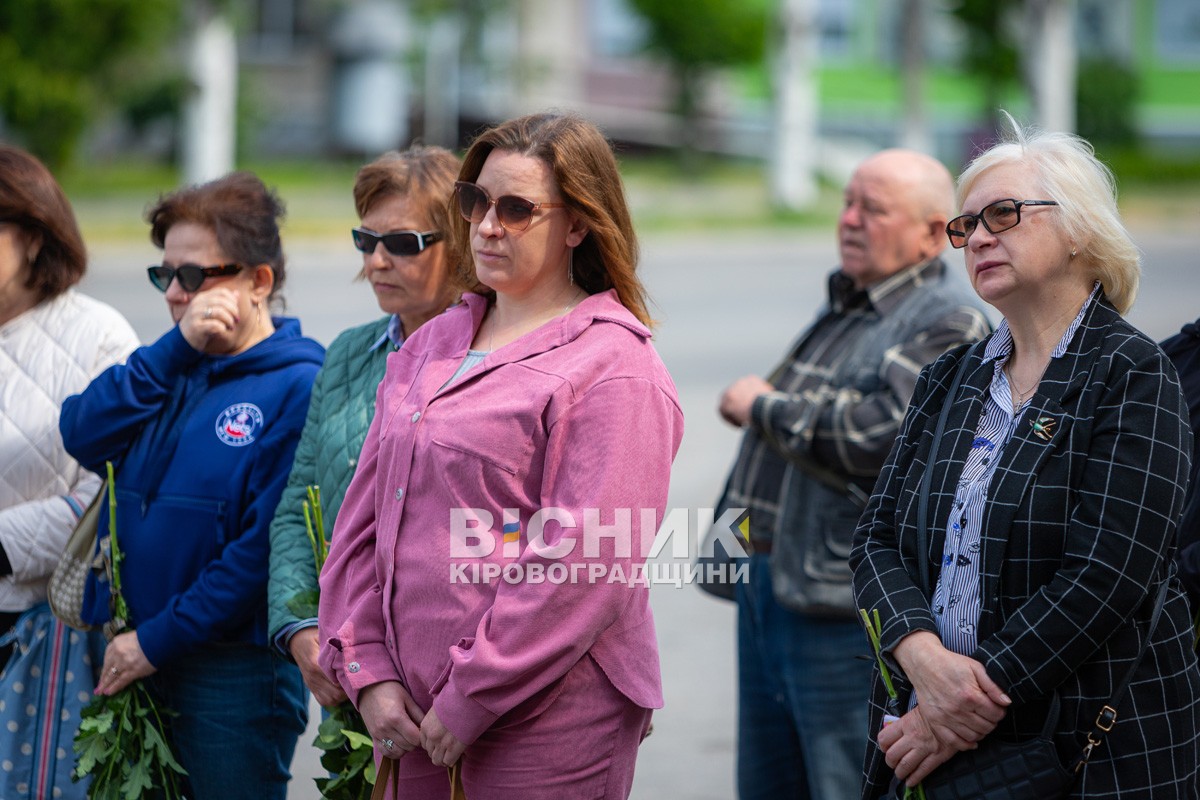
x=842 y=417
x=1077 y=536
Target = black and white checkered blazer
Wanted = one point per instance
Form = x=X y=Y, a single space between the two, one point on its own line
x=1077 y=537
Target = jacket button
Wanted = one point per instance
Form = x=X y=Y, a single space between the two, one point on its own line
x=400 y=494
x=353 y=666
x=416 y=416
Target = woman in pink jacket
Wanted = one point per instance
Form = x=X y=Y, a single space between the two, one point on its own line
x=484 y=598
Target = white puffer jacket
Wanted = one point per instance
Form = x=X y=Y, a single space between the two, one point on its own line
x=47 y=354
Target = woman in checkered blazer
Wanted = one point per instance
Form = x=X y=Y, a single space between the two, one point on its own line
x=1052 y=507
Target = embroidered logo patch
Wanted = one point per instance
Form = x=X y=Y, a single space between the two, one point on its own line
x=238 y=425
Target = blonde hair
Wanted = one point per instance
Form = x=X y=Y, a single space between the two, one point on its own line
x=1086 y=193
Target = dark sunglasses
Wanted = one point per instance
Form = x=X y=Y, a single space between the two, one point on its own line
x=191 y=276
x=398 y=243
x=515 y=213
x=996 y=217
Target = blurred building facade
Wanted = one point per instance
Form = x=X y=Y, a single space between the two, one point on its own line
x=358 y=76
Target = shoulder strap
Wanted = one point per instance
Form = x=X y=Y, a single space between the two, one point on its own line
x=383 y=776
x=927 y=477
x=1107 y=717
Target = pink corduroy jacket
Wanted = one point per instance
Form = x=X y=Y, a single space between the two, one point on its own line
x=579 y=416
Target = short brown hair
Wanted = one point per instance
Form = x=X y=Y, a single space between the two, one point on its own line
x=239 y=209
x=582 y=162
x=424 y=174
x=31 y=198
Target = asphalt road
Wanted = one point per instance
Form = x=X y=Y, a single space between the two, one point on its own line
x=728 y=304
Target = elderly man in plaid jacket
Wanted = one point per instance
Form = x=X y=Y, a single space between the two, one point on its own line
x=816 y=435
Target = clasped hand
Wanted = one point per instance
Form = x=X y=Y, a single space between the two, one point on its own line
x=391 y=715
x=958 y=705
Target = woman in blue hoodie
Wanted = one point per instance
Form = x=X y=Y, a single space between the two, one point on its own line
x=201 y=427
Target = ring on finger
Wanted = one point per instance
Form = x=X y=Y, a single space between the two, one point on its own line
x=208 y=312
x=114 y=670
x=387 y=743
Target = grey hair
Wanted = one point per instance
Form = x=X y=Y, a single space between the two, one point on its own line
x=1086 y=192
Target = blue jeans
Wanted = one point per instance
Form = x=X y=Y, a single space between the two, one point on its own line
x=241 y=709
x=802 y=705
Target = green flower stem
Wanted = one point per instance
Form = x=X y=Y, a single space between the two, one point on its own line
x=874 y=630
x=346 y=746
x=122 y=740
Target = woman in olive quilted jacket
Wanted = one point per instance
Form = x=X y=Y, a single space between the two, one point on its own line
x=402 y=200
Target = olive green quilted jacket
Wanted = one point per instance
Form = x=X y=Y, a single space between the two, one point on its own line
x=339 y=413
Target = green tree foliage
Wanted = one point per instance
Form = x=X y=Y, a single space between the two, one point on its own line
x=697 y=36
x=991 y=54
x=59 y=59
x=1106 y=98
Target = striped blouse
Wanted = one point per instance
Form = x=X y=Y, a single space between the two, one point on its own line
x=955 y=601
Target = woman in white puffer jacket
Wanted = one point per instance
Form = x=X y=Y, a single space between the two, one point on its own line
x=53 y=341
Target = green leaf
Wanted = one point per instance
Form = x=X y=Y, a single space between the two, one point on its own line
x=347 y=755
x=100 y=723
x=304 y=604
x=359 y=758
x=156 y=741
x=358 y=739
x=138 y=778
x=97 y=750
x=121 y=745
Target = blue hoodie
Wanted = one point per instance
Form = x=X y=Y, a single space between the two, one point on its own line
x=201 y=446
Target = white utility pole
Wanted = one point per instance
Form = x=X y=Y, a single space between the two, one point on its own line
x=793 y=161
x=210 y=112
x=914 y=131
x=442 y=79
x=1051 y=62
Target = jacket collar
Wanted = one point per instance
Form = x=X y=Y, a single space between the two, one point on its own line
x=593 y=309
x=885 y=295
x=1027 y=450
x=598 y=309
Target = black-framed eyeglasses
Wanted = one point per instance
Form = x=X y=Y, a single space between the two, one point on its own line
x=996 y=217
x=514 y=213
x=398 y=243
x=191 y=276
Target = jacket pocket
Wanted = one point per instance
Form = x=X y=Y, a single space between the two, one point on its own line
x=187 y=531
x=827 y=555
x=494 y=469
x=809 y=562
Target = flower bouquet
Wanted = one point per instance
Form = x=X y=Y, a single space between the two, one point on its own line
x=122 y=741
x=346 y=746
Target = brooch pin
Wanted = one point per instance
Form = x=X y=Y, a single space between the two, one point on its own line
x=1043 y=427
